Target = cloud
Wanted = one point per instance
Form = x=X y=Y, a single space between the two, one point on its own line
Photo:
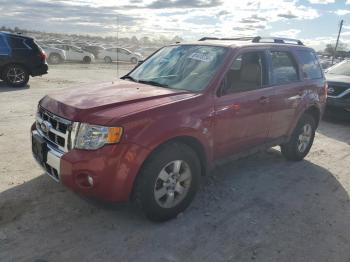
x=288 y=15
x=342 y=12
x=322 y=2
x=291 y=33
x=162 y=4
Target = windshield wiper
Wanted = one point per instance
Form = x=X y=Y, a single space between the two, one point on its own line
x=152 y=83
x=130 y=78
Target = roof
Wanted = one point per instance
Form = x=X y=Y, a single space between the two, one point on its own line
x=8 y=34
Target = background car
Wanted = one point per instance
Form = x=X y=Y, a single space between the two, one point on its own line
x=94 y=49
x=74 y=53
x=338 y=78
x=146 y=51
x=120 y=54
x=20 y=57
x=54 y=55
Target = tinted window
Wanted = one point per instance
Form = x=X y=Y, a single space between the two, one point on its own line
x=123 y=51
x=311 y=67
x=284 y=69
x=3 y=46
x=247 y=72
x=17 y=43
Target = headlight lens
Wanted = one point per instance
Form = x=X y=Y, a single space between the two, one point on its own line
x=92 y=137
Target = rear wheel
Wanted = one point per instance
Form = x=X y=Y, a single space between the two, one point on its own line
x=168 y=182
x=16 y=75
x=302 y=139
x=55 y=59
x=108 y=60
x=87 y=60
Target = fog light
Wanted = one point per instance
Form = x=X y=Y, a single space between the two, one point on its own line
x=90 y=181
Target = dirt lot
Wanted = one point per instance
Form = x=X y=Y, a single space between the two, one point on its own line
x=260 y=208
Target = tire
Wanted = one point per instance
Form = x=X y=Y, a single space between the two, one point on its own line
x=134 y=60
x=158 y=184
x=15 y=75
x=108 y=60
x=55 y=59
x=87 y=60
x=301 y=140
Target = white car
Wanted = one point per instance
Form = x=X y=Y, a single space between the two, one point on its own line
x=146 y=51
x=120 y=54
x=76 y=54
x=54 y=55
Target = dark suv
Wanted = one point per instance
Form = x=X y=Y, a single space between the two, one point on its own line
x=150 y=136
x=20 y=57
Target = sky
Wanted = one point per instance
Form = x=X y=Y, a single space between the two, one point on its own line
x=315 y=22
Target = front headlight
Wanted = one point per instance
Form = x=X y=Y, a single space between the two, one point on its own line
x=92 y=137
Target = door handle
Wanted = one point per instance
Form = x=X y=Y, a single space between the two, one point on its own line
x=264 y=100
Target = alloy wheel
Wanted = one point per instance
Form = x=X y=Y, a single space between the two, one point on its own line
x=172 y=184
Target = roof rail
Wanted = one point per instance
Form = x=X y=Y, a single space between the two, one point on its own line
x=258 y=39
x=279 y=40
x=227 y=39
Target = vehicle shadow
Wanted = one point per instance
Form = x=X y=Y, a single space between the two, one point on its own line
x=260 y=208
x=6 y=88
x=336 y=128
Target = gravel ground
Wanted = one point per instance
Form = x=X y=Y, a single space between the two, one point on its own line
x=260 y=208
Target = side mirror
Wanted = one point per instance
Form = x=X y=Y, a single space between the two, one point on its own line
x=140 y=62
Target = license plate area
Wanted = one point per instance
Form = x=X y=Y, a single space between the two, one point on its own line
x=39 y=148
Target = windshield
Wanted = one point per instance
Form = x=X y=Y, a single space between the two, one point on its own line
x=187 y=67
x=340 y=69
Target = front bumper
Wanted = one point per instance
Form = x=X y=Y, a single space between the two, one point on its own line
x=113 y=169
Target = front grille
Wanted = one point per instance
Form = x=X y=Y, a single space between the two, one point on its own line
x=54 y=129
x=336 y=90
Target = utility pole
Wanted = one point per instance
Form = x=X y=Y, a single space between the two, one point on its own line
x=117 y=45
x=336 y=45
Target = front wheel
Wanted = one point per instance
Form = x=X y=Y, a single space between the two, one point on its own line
x=134 y=60
x=301 y=140
x=168 y=182
x=16 y=76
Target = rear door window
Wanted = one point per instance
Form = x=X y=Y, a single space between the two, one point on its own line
x=310 y=65
x=284 y=69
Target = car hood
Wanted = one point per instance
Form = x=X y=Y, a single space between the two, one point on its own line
x=101 y=103
x=331 y=78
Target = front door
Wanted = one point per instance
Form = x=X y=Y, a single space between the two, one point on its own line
x=242 y=106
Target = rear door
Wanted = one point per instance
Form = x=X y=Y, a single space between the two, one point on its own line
x=242 y=107
x=289 y=88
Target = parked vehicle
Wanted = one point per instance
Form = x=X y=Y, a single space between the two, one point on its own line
x=146 y=51
x=54 y=55
x=151 y=136
x=76 y=54
x=338 y=78
x=120 y=54
x=94 y=49
x=20 y=57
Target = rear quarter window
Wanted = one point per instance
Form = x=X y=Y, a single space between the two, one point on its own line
x=309 y=64
x=3 y=46
x=17 y=43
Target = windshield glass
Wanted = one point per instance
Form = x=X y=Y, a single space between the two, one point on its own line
x=340 y=69
x=187 y=67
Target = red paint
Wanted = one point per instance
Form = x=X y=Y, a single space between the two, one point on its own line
x=152 y=115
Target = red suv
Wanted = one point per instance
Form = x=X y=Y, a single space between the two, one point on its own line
x=151 y=136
